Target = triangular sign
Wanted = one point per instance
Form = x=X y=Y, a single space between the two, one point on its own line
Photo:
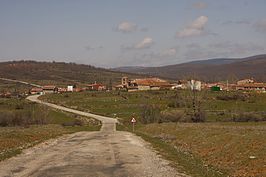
x=133 y=120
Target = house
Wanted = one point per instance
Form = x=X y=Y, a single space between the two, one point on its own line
x=120 y=87
x=245 y=81
x=125 y=81
x=194 y=85
x=222 y=86
x=76 y=89
x=49 y=89
x=36 y=90
x=144 y=84
x=181 y=84
x=250 y=84
x=96 y=87
x=62 y=90
x=70 y=88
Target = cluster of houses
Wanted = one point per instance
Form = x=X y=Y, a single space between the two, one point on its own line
x=159 y=84
x=142 y=84
x=245 y=84
x=70 y=88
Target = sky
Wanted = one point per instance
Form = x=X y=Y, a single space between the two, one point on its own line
x=114 y=33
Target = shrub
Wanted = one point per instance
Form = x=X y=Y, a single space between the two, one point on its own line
x=4 y=120
x=150 y=114
x=248 y=117
x=233 y=97
x=199 y=116
x=28 y=116
x=76 y=122
x=171 y=116
x=176 y=104
x=177 y=101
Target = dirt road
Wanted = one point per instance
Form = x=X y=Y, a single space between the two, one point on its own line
x=96 y=154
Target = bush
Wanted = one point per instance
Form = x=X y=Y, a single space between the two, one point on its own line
x=4 y=119
x=28 y=116
x=76 y=122
x=171 y=116
x=176 y=104
x=199 y=116
x=150 y=114
x=248 y=117
x=233 y=97
x=177 y=101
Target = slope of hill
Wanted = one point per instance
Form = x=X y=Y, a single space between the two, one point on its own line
x=210 y=70
x=58 y=73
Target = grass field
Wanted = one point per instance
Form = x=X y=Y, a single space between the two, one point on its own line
x=111 y=103
x=236 y=149
x=12 y=87
x=218 y=147
x=23 y=131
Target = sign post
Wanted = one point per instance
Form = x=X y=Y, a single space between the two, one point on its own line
x=133 y=121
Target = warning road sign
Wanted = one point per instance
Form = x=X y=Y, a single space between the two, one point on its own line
x=133 y=120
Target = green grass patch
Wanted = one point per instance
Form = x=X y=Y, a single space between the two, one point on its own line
x=132 y=103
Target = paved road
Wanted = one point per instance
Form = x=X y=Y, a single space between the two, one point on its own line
x=104 y=153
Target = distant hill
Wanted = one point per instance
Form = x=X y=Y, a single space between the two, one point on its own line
x=59 y=73
x=209 y=70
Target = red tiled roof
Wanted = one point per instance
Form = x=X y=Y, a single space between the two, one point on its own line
x=253 y=85
x=49 y=87
x=151 y=82
x=36 y=89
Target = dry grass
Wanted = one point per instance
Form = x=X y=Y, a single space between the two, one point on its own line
x=238 y=149
x=14 y=139
x=22 y=130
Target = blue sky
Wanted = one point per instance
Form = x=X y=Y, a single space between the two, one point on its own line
x=131 y=32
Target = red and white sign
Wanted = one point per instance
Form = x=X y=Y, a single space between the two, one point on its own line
x=133 y=120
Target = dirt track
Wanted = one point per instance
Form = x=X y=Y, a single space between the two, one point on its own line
x=104 y=153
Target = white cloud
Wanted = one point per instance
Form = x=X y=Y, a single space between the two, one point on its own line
x=127 y=27
x=147 y=42
x=200 y=5
x=261 y=25
x=196 y=28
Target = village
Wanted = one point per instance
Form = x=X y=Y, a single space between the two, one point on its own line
x=144 y=84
